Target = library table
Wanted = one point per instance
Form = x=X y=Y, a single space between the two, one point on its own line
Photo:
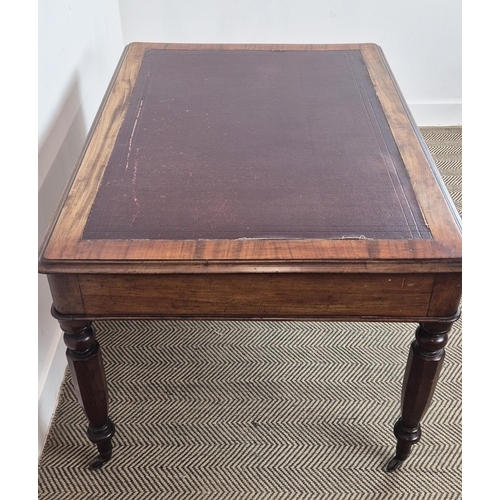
x=270 y=182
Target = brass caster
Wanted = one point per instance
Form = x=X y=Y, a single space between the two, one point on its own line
x=394 y=464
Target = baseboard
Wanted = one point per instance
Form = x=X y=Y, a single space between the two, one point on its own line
x=438 y=114
x=48 y=393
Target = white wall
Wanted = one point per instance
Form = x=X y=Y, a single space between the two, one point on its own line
x=81 y=42
x=421 y=39
x=79 y=46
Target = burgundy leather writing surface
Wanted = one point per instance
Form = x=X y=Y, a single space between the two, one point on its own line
x=254 y=144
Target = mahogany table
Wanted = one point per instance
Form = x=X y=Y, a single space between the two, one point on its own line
x=260 y=182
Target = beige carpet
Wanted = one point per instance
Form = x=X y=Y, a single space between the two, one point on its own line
x=262 y=410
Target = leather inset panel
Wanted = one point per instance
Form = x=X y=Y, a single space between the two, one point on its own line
x=254 y=144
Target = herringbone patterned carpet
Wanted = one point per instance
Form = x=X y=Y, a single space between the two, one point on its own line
x=262 y=410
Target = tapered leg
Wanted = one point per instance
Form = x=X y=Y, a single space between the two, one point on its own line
x=87 y=372
x=421 y=376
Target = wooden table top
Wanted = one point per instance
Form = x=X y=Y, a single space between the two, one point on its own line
x=206 y=158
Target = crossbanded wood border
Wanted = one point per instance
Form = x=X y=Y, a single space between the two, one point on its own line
x=262 y=410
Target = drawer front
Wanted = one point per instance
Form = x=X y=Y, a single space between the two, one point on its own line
x=258 y=295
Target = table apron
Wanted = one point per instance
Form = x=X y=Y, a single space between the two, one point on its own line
x=279 y=296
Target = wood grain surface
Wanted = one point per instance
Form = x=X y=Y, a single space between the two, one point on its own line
x=255 y=296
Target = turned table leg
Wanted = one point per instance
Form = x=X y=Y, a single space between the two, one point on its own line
x=421 y=376
x=87 y=372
